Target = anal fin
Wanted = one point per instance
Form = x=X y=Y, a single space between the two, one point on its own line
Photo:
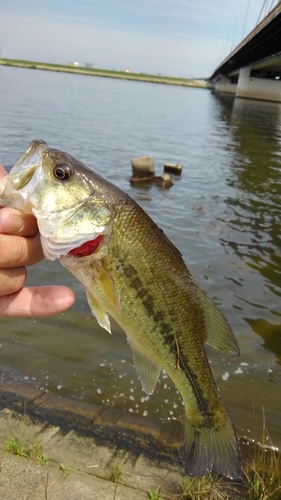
x=218 y=332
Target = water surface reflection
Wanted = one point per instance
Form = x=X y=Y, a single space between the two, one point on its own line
x=255 y=217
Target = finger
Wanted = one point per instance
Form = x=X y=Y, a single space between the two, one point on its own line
x=37 y=301
x=16 y=251
x=3 y=173
x=12 y=280
x=12 y=221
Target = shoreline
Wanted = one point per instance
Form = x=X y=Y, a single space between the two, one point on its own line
x=159 y=441
x=57 y=448
x=122 y=75
x=75 y=450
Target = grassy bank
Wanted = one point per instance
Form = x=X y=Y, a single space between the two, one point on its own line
x=184 y=82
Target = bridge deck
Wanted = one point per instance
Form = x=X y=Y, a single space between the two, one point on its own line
x=263 y=42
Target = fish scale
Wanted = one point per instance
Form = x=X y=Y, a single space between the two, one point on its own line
x=132 y=272
x=167 y=296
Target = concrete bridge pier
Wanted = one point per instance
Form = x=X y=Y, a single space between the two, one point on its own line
x=251 y=87
x=257 y=88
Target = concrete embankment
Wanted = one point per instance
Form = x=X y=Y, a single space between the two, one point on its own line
x=68 y=449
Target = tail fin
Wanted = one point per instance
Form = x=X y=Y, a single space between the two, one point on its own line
x=209 y=447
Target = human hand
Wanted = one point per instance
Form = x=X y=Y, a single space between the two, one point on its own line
x=19 y=247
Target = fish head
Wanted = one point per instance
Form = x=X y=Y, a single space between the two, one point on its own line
x=67 y=198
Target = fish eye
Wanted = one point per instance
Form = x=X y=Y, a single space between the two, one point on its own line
x=62 y=171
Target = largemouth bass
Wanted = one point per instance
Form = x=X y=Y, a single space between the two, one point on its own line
x=133 y=273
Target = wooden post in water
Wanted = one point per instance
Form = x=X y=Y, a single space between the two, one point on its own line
x=143 y=169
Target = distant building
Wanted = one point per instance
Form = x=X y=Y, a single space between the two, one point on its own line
x=88 y=65
x=74 y=64
x=127 y=70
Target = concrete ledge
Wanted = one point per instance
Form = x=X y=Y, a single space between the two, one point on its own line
x=75 y=467
x=160 y=441
x=91 y=452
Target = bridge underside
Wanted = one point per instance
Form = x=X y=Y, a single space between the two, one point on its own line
x=258 y=81
x=253 y=69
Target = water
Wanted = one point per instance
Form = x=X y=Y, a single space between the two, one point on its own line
x=223 y=214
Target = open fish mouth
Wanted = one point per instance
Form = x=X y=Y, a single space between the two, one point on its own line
x=16 y=193
x=29 y=161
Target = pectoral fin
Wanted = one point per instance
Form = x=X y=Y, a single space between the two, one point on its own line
x=147 y=370
x=110 y=299
x=101 y=316
x=109 y=289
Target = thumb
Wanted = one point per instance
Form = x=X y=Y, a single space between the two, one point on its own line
x=37 y=301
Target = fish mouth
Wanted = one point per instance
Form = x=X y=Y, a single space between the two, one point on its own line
x=23 y=171
x=22 y=174
x=27 y=164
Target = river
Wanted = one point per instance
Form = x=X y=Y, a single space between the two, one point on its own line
x=223 y=214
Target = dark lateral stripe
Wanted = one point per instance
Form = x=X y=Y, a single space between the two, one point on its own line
x=169 y=336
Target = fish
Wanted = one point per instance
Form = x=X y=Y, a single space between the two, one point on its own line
x=134 y=274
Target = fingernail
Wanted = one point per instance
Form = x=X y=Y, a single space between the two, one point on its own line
x=16 y=224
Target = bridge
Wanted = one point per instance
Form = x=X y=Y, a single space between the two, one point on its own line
x=253 y=68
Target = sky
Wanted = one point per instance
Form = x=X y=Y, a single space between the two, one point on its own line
x=182 y=38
